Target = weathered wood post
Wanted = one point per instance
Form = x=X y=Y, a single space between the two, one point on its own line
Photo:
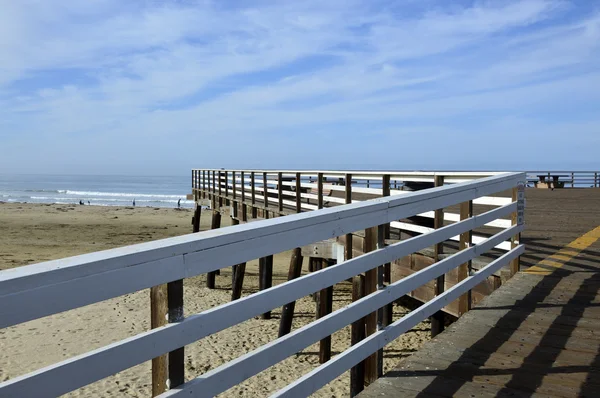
x=437 y=319
x=196 y=218
x=214 y=190
x=325 y=306
x=295 y=270
x=253 y=193
x=240 y=269
x=280 y=192
x=320 y=190
x=389 y=308
x=371 y=319
x=265 y=275
x=158 y=317
x=464 y=270
x=203 y=184
x=220 y=182
x=233 y=185
x=177 y=356
x=381 y=312
x=515 y=240
x=265 y=196
x=357 y=373
x=226 y=188
x=287 y=312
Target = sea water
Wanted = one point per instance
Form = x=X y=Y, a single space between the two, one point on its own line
x=98 y=190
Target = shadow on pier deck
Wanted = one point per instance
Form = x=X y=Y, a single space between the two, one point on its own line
x=539 y=334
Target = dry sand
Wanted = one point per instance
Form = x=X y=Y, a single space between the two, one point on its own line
x=33 y=233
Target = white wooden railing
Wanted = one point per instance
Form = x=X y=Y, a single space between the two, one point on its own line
x=43 y=289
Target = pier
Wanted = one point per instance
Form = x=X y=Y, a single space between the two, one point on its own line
x=516 y=280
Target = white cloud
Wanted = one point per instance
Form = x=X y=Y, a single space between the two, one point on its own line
x=82 y=75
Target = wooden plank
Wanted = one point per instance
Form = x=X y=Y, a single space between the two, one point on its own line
x=325 y=307
x=464 y=302
x=437 y=320
x=287 y=312
x=158 y=317
x=24 y=287
x=371 y=319
x=215 y=224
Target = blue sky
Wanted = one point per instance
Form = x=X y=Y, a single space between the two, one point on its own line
x=159 y=87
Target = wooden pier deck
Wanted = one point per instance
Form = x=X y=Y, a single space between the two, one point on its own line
x=539 y=334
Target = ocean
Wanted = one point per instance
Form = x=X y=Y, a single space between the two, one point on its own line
x=98 y=190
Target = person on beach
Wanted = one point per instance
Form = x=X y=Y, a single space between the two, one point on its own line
x=81 y=202
x=179 y=204
x=89 y=202
x=134 y=203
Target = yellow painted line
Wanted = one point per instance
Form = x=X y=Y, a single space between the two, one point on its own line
x=564 y=255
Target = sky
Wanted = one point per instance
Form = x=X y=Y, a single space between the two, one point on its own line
x=160 y=87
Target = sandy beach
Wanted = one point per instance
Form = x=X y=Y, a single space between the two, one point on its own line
x=34 y=233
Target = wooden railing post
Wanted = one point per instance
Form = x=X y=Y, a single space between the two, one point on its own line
x=265 y=196
x=215 y=224
x=371 y=319
x=298 y=193
x=280 y=191
x=233 y=184
x=214 y=190
x=265 y=275
x=220 y=182
x=158 y=317
x=324 y=308
x=437 y=319
x=226 y=188
x=380 y=286
x=243 y=186
x=320 y=190
x=287 y=312
x=295 y=270
x=357 y=373
x=515 y=240
x=464 y=270
x=176 y=357
x=389 y=309
x=253 y=194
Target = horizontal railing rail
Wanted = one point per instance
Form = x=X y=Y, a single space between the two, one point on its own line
x=260 y=189
x=43 y=289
